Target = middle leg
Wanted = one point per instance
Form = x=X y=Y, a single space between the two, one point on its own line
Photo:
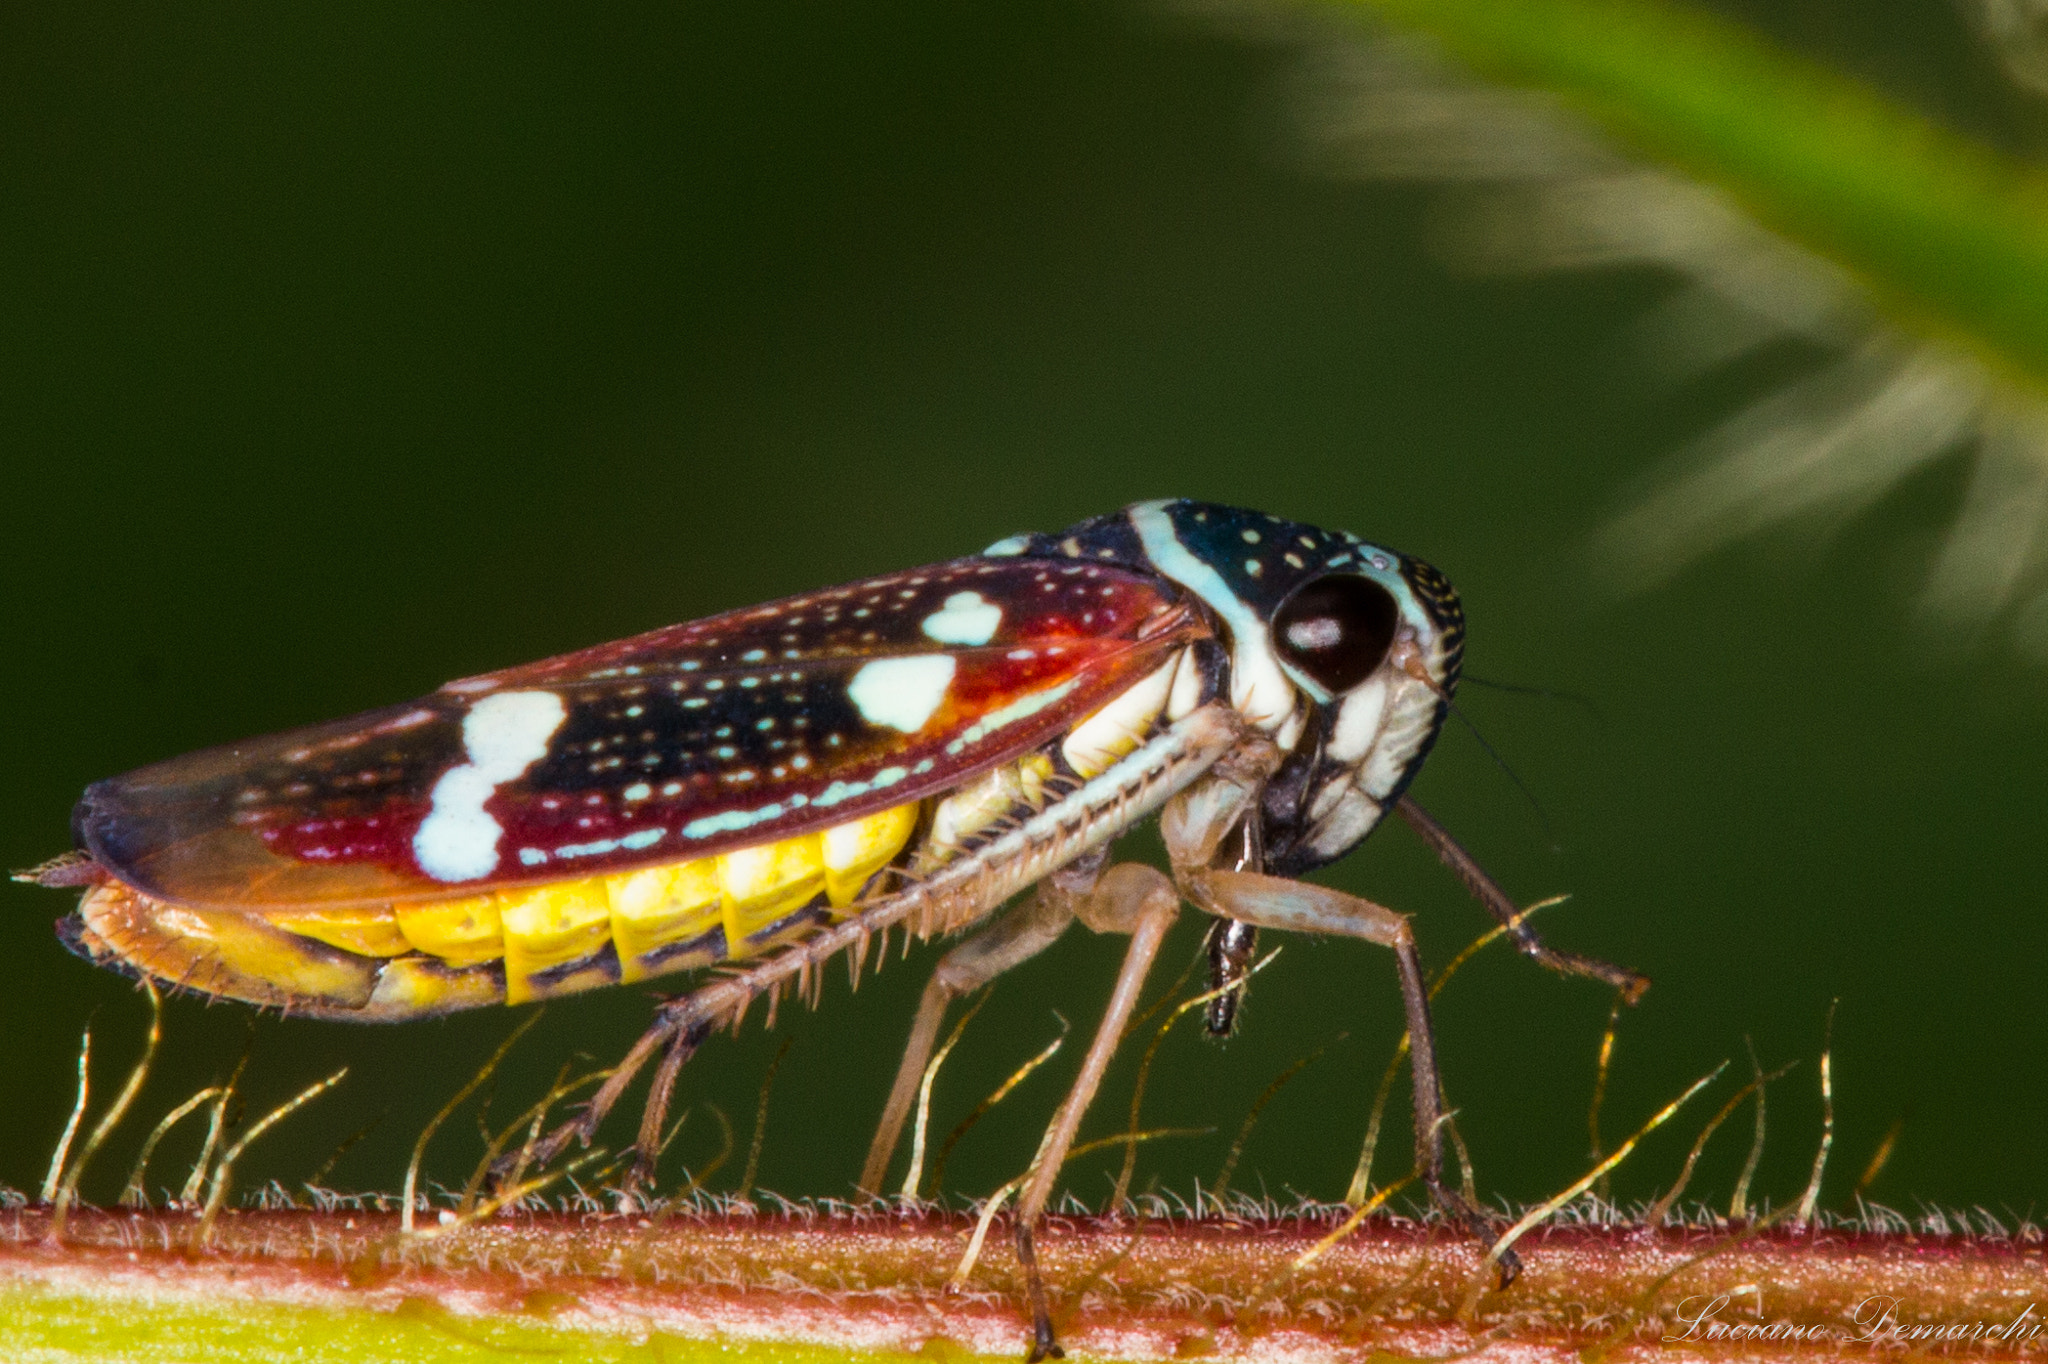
x=1010 y=941
x=1142 y=902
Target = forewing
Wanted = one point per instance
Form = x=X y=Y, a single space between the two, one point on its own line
x=741 y=728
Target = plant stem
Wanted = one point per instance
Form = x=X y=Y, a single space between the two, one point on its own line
x=837 y=1284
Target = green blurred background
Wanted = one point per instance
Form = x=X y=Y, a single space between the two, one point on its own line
x=345 y=353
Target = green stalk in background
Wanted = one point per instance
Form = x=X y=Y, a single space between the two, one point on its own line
x=1949 y=235
x=1789 y=201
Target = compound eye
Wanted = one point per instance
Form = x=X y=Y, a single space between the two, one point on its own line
x=1336 y=630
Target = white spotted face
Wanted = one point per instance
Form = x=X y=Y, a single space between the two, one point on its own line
x=502 y=736
x=901 y=693
x=966 y=618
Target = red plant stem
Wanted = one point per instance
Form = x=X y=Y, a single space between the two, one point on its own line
x=1154 y=1289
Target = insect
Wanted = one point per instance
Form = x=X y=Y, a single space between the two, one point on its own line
x=764 y=789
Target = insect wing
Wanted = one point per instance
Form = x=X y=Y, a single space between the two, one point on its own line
x=739 y=729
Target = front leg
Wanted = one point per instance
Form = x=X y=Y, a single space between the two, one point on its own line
x=1195 y=825
x=1297 y=906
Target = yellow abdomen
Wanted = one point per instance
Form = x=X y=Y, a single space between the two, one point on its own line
x=389 y=962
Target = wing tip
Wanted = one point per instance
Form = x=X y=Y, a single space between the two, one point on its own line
x=65 y=871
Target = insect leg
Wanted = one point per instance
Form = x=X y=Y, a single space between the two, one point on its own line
x=647 y=1148
x=1010 y=941
x=1296 y=906
x=1132 y=899
x=681 y=1035
x=1498 y=903
x=960 y=893
x=664 y=1032
x=1231 y=944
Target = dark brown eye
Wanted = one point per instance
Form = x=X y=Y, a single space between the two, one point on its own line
x=1336 y=630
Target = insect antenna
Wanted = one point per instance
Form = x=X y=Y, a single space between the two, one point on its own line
x=1542 y=816
x=1579 y=699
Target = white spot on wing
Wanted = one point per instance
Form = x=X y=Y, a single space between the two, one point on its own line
x=901 y=693
x=1008 y=545
x=729 y=821
x=966 y=618
x=502 y=736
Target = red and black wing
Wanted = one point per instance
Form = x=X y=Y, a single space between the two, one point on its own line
x=738 y=729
